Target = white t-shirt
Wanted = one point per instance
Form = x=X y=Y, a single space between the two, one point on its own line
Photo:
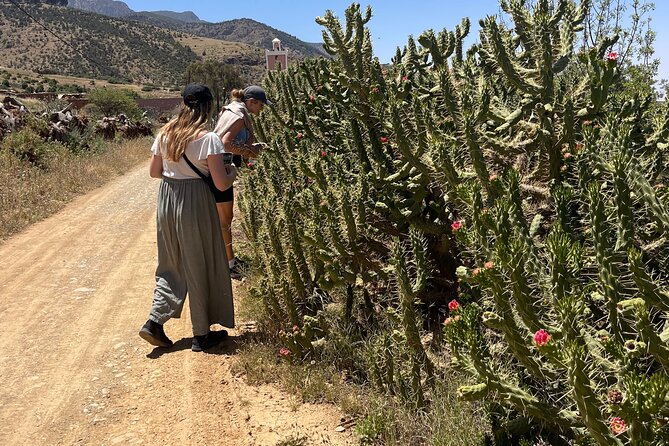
x=197 y=151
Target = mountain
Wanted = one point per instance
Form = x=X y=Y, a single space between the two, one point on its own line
x=139 y=47
x=256 y=34
x=91 y=45
x=111 y=8
x=116 y=8
x=238 y=30
x=186 y=16
x=96 y=46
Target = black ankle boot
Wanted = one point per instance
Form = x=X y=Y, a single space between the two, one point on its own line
x=211 y=339
x=153 y=333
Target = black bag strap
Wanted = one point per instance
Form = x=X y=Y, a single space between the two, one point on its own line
x=195 y=169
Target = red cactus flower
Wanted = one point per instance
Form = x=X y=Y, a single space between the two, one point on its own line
x=453 y=305
x=489 y=265
x=324 y=153
x=617 y=425
x=285 y=352
x=448 y=321
x=541 y=338
x=384 y=140
x=612 y=56
x=456 y=225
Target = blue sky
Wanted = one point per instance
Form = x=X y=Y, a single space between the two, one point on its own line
x=392 y=22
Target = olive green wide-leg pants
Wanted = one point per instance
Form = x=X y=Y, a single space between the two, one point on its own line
x=191 y=257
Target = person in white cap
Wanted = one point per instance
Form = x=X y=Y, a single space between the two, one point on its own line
x=236 y=131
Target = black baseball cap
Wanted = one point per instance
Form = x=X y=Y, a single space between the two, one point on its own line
x=255 y=92
x=196 y=93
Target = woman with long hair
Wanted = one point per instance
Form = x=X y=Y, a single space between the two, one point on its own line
x=236 y=131
x=191 y=254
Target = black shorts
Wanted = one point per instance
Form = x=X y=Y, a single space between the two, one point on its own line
x=225 y=196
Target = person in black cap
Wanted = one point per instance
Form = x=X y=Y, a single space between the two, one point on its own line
x=236 y=131
x=191 y=254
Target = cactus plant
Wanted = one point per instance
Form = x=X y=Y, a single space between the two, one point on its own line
x=512 y=163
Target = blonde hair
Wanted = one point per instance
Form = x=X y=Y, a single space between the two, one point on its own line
x=181 y=130
x=237 y=95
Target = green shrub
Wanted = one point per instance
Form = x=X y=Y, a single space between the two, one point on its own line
x=112 y=102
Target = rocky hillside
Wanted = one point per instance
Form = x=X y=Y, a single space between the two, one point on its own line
x=239 y=30
x=186 y=16
x=90 y=45
x=143 y=48
x=254 y=33
x=111 y=8
x=95 y=46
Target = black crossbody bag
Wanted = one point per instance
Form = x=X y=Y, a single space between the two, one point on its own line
x=207 y=179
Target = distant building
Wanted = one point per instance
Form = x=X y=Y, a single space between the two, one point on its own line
x=276 y=58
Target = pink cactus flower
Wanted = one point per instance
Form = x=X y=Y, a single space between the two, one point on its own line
x=493 y=177
x=541 y=338
x=453 y=305
x=324 y=153
x=300 y=136
x=489 y=265
x=404 y=78
x=476 y=272
x=456 y=318
x=296 y=328
x=617 y=425
x=566 y=155
x=448 y=321
x=312 y=99
x=613 y=56
x=285 y=352
x=456 y=225
x=384 y=140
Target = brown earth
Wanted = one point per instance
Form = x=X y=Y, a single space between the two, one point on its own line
x=74 y=291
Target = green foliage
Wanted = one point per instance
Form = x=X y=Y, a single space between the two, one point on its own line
x=29 y=146
x=220 y=77
x=112 y=102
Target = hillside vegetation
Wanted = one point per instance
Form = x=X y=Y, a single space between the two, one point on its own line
x=112 y=49
x=254 y=33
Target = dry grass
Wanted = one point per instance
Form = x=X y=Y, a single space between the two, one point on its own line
x=379 y=419
x=29 y=193
x=218 y=48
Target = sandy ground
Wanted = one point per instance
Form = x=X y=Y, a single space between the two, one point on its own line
x=74 y=291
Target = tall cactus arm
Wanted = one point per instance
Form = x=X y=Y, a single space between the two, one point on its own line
x=586 y=400
x=516 y=74
x=652 y=293
x=608 y=275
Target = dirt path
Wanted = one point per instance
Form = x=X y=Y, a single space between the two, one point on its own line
x=74 y=291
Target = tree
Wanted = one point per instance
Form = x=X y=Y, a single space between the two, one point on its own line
x=218 y=76
x=113 y=102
